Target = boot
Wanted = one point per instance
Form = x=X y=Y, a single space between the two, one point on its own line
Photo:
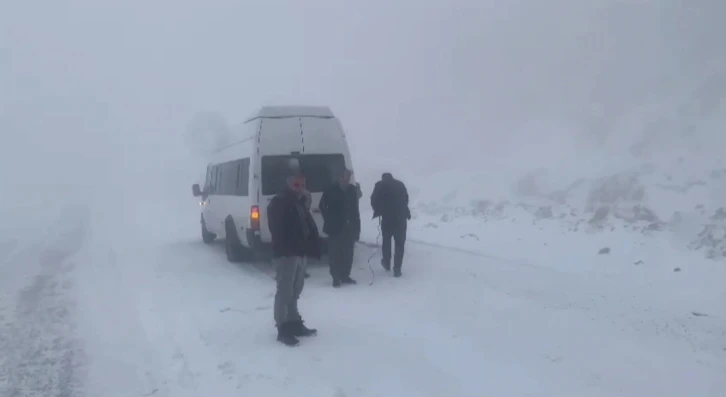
x=285 y=336
x=386 y=265
x=336 y=283
x=397 y=272
x=348 y=280
x=298 y=328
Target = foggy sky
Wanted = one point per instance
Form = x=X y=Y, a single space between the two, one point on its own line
x=99 y=92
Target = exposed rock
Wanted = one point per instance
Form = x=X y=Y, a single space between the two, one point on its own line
x=620 y=188
x=637 y=213
x=603 y=251
x=699 y=314
x=712 y=239
x=543 y=213
x=719 y=214
x=500 y=206
x=481 y=206
x=560 y=196
x=600 y=215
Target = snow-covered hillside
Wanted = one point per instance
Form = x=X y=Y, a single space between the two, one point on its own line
x=652 y=202
x=653 y=181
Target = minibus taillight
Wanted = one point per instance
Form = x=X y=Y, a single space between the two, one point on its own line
x=255 y=217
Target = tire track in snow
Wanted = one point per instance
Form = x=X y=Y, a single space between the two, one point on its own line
x=122 y=359
x=40 y=356
x=162 y=298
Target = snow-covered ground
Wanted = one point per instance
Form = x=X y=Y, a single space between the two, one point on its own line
x=93 y=310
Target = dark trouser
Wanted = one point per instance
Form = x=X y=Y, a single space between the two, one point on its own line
x=290 y=282
x=341 y=249
x=396 y=229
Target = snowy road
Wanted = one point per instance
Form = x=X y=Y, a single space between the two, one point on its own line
x=95 y=312
x=39 y=354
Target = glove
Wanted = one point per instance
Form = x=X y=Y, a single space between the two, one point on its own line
x=357 y=237
x=408 y=215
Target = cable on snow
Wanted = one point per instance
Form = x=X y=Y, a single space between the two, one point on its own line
x=375 y=252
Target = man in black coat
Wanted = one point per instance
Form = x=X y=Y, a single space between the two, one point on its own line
x=307 y=200
x=389 y=200
x=341 y=215
x=294 y=238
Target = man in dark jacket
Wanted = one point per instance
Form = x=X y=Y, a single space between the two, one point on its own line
x=294 y=238
x=341 y=215
x=307 y=200
x=389 y=200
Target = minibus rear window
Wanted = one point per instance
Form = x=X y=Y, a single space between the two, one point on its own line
x=320 y=170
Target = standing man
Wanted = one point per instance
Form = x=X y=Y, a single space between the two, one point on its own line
x=294 y=238
x=307 y=199
x=341 y=215
x=389 y=200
